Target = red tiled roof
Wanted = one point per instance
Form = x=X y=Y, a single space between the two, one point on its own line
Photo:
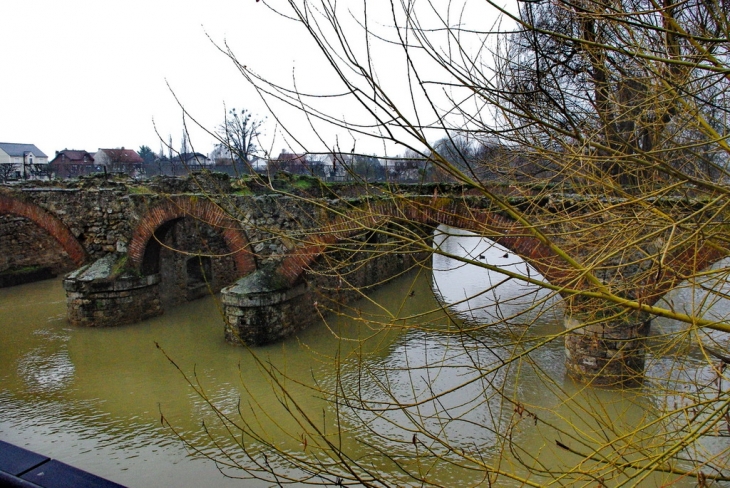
x=284 y=156
x=73 y=156
x=123 y=155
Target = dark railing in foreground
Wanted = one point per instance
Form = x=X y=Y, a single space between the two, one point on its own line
x=23 y=468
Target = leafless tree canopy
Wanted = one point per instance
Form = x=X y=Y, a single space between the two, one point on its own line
x=610 y=122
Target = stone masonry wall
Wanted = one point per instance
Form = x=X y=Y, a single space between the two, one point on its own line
x=26 y=245
x=265 y=308
x=193 y=262
x=273 y=223
x=100 y=218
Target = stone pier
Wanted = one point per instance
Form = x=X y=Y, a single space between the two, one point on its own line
x=607 y=352
x=272 y=304
x=101 y=295
x=262 y=308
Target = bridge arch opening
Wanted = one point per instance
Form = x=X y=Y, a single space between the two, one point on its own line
x=34 y=243
x=483 y=296
x=191 y=257
x=514 y=237
x=475 y=292
x=148 y=236
x=707 y=296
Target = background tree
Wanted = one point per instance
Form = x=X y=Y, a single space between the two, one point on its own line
x=184 y=144
x=458 y=151
x=239 y=133
x=368 y=168
x=146 y=154
x=7 y=172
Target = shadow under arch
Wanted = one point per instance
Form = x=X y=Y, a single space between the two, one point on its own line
x=47 y=221
x=145 y=245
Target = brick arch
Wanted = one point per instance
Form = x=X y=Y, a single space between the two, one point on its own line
x=201 y=209
x=501 y=230
x=47 y=221
x=679 y=265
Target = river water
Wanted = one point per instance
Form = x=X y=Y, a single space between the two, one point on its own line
x=94 y=398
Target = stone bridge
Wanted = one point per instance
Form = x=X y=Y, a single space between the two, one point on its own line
x=139 y=249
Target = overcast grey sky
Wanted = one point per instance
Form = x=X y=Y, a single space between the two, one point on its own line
x=85 y=74
x=89 y=74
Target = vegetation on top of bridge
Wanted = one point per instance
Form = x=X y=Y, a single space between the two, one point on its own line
x=214 y=185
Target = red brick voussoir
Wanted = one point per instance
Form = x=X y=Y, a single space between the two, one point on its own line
x=500 y=229
x=47 y=221
x=198 y=208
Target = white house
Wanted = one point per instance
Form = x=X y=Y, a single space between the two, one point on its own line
x=22 y=161
x=192 y=160
x=335 y=165
x=221 y=155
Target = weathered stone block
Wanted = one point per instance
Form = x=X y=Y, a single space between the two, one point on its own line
x=609 y=354
x=97 y=297
x=264 y=307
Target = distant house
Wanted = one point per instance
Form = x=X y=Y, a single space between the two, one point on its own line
x=22 y=161
x=290 y=162
x=259 y=165
x=119 y=160
x=226 y=161
x=222 y=155
x=71 y=163
x=192 y=160
x=337 y=165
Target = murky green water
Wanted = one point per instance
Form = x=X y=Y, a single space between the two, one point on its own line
x=93 y=398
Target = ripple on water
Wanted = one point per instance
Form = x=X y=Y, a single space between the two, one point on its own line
x=53 y=334
x=46 y=373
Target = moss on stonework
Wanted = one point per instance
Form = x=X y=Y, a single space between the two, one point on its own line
x=304 y=182
x=119 y=266
x=265 y=279
x=140 y=190
x=20 y=271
